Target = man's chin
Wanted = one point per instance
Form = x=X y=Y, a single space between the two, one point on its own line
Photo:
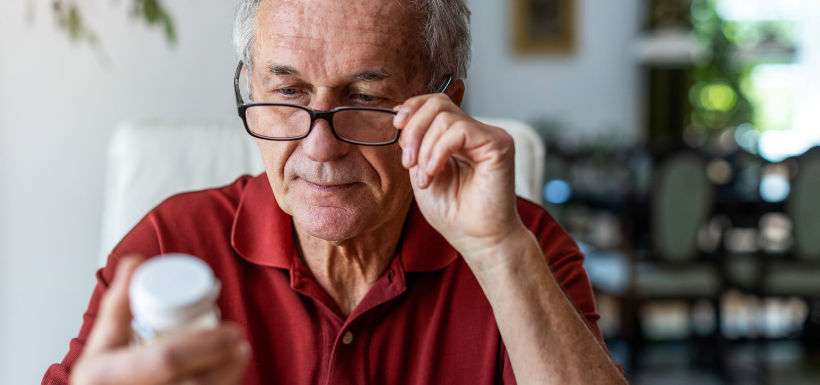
x=332 y=224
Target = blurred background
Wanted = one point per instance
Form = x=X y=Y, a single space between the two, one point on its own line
x=680 y=142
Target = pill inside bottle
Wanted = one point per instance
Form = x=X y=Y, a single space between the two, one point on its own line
x=172 y=294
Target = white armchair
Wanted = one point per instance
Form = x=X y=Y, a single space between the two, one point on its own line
x=150 y=160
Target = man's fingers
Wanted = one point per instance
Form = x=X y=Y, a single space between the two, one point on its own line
x=449 y=144
x=230 y=374
x=414 y=119
x=169 y=361
x=191 y=354
x=108 y=359
x=419 y=114
x=466 y=142
x=112 y=328
x=408 y=108
x=439 y=126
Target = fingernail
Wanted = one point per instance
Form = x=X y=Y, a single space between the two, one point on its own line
x=421 y=178
x=233 y=335
x=243 y=350
x=429 y=165
x=405 y=157
x=402 y=115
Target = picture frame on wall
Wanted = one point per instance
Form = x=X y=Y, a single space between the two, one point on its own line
x=543 y=26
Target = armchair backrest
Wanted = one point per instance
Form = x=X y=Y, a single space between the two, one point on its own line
x=151 y=160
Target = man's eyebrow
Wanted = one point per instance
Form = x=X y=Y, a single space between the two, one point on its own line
x=282 y=70
x=367 y=75
x=373 y=75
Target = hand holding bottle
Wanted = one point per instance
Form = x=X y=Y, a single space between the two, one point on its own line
x=217 y=356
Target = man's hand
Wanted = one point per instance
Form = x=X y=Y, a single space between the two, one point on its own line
x=210 y=357
x=463 y=176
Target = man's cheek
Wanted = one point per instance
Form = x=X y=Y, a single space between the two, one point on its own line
x=277 y=158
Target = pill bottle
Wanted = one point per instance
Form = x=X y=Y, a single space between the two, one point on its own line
x=172 y=294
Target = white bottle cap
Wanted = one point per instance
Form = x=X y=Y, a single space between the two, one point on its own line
x=170 y=290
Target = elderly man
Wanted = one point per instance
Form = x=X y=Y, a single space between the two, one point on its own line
x=384 y=243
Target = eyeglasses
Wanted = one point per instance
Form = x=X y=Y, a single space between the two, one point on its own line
x=364 y=126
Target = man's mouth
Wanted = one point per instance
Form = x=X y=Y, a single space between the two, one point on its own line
x=329 y=187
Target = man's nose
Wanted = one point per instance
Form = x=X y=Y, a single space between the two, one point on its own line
x=321 y=145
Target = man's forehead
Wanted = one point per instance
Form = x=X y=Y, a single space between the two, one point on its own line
x=376 y=22
x=330 y=42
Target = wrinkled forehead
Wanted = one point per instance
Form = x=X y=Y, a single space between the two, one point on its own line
x=335 y=35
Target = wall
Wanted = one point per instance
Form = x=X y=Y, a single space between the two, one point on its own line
x=591 y=91
x=59 y=103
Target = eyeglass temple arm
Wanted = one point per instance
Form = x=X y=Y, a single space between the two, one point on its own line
x=239 y=100
x=446 y=84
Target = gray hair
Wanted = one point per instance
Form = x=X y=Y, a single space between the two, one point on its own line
x=444 y=39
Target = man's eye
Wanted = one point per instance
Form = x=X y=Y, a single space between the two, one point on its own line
x=288 y=91
x=366 y=98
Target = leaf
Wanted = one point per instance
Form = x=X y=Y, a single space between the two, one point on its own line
x=155 y=14
x=74 y=23
x=69 y=18
x=152 y=11
x=170 y=34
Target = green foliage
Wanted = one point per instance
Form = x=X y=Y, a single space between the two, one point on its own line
x=155 y=15
x=715 y=96
x=722 y=95
x=69 y=19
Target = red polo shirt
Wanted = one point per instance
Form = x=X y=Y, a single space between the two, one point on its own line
x=426 y=320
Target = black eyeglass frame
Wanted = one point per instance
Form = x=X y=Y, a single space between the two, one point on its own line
x=314 y=114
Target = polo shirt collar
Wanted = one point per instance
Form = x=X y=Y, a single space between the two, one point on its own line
x=262 y=234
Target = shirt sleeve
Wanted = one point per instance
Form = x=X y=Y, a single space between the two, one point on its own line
x=168 y=226
x=566 y=263
x=143 y=240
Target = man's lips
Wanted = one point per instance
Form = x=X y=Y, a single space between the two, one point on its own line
x=328 y=187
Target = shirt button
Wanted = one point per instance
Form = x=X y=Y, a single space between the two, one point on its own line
x=348 y=338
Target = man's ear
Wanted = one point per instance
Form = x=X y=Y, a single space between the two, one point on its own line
x=456 y=92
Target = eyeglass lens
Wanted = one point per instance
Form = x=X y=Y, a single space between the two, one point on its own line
x=282 y=122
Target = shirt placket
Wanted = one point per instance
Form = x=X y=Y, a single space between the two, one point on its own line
x=347 y=355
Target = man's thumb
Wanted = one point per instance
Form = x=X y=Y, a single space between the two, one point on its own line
x=112 y=327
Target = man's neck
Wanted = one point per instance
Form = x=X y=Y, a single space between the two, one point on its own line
x=348 y=270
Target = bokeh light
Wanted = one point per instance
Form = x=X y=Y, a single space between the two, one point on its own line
x=557 y=191
x=747 y=137
x=774 y=188
x=717 y=97
x=719 y=171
